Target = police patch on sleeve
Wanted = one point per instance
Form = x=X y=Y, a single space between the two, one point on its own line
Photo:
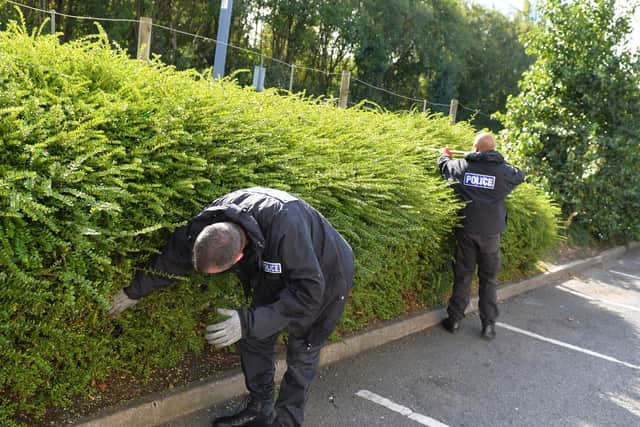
x=480 y=181
x=272 y=267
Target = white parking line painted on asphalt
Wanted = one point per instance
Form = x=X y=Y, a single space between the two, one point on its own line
x=403 y=410
x=566 y=345
x=602 y=300
x=631 y=276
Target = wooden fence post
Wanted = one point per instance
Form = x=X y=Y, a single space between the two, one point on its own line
x=453 y=110
x=291 y=78
x=344 y=89
x=144 y=38
x=53 y=20
x=259 y=72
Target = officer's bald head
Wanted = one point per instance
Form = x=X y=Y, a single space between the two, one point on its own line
x=484 y=142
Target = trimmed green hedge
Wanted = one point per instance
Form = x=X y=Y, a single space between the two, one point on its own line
x=102 y=156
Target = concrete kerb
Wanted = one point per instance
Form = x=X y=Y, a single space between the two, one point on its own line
x=163 y=407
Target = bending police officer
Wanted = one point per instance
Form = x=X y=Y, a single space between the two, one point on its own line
x=299 y=270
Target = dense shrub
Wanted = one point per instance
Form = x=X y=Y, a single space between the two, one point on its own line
x=575 y=121
x=102 y=156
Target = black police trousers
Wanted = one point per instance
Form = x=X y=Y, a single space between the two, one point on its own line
x=258 y=366
x=482 y=250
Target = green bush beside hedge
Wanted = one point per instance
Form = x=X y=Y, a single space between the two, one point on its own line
x=102 y=156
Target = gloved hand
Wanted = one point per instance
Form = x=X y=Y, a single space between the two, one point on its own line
x=446 y=151
x=120 y=302
x=227 y=332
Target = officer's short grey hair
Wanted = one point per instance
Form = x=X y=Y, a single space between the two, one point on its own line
x=217 y=246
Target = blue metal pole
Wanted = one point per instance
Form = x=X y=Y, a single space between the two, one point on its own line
x=222 y=40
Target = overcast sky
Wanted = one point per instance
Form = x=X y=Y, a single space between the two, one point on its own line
x=510 y=7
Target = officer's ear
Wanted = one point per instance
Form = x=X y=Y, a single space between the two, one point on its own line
x=239 y=257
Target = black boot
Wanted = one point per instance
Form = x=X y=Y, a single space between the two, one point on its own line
x=450 y=324
x=255 y=413
x=488 y=331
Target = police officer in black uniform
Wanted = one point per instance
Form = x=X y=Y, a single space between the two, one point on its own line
x=482 y=180
x=297 y=267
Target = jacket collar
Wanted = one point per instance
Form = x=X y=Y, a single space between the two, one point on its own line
x=242 y=217
x=485 y=156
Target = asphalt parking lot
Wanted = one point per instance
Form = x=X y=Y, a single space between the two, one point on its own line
x=566 y=354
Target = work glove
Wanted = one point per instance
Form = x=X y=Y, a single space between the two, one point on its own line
x=120 y=302
x=446 y=151
x=227 y=332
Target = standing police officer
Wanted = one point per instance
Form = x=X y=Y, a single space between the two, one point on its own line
x=299 y=270
x=482 y=180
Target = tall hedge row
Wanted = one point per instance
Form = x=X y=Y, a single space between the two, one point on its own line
x=103 y=156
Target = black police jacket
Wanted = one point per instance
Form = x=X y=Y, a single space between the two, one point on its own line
x=483 y=180
x=298 y=268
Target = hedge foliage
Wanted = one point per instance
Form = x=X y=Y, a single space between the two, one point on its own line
x=102 y=156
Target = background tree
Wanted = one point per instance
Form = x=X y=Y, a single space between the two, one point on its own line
x=431 y=50
x=575 y=122
x=408 y=47
x=494 y=60
x=331 y=45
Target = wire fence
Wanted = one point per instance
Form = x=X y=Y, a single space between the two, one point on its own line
x=278 y=74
